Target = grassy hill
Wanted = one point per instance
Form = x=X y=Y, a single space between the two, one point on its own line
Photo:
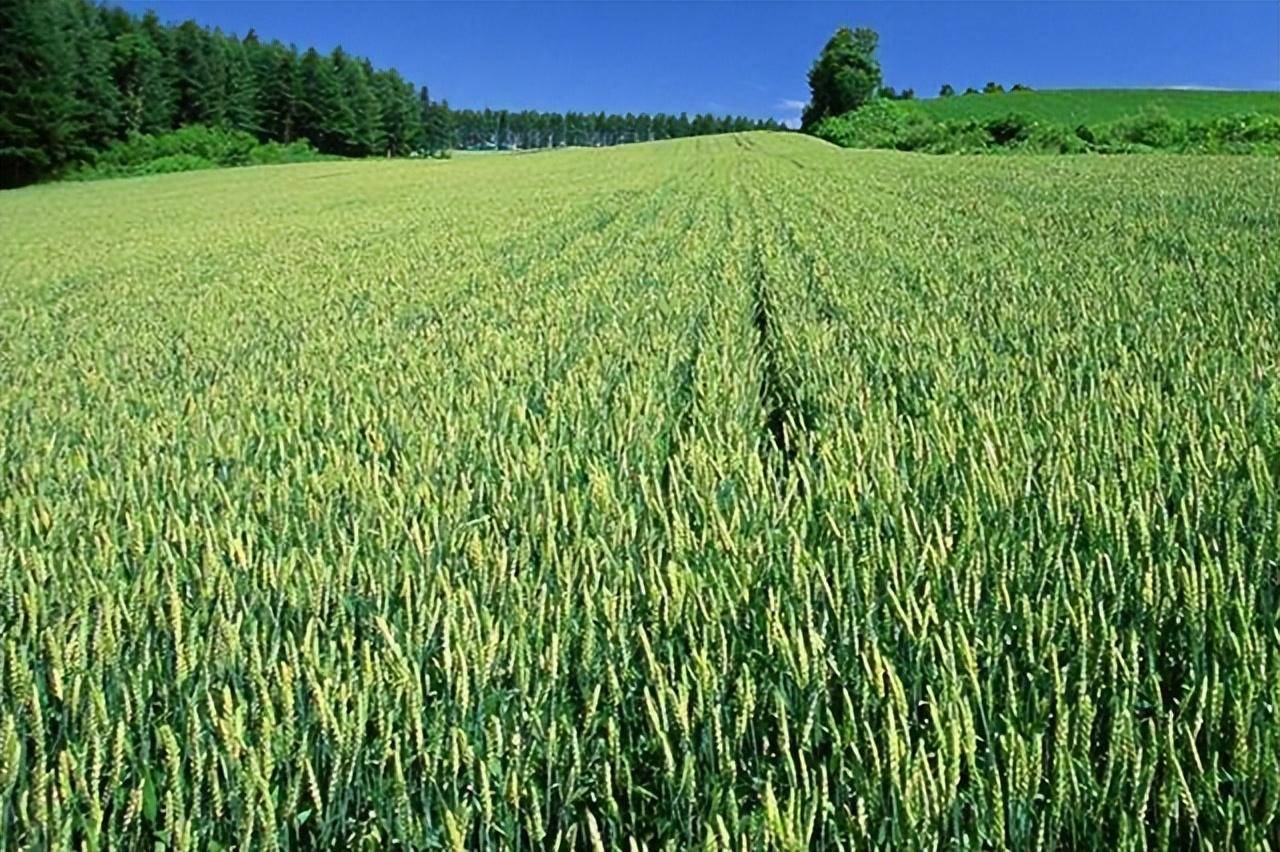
x=736 y=492
x=1073 y=107
x=1067 y=121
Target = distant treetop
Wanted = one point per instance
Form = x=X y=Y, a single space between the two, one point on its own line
x=845 y=75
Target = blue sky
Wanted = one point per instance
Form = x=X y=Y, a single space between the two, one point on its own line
x=751 y=58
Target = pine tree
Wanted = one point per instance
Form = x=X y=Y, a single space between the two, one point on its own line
x=363 y=132
x=401 y=123
x=242 y=88
x=199 y=100
x=442 y=125
x=39 y=127
x=437 y=131
x=97 y=100
x=279 y=91
x=137 y=71
x=324 y=116
x=160 y=98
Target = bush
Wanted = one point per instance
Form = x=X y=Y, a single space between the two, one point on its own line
x=277 y=153
x=190 y=148
x=1056 y=139
x=966 y=136
x=1009 y=129
x=883 y=123
x=1154 y=128
x=1253 y=132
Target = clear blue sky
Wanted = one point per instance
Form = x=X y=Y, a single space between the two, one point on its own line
x=751 y=58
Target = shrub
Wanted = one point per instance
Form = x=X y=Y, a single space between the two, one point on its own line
x=1152 y=128
x=189 y=148
x=1010 y=128
x=965 y=136
x=1253 y=128
x=879 y=124
x=1055 y=139
x=276 y=153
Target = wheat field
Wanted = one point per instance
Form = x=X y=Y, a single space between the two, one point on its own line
x=730 y=493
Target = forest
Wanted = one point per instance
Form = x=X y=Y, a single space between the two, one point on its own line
x=77 y=77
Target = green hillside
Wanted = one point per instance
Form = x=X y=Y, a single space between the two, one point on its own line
x=1067 y=121
x=1095 y=106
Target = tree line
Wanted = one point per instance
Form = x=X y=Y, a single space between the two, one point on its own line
x=76 y=76
x=992 y=88
x=480 y=129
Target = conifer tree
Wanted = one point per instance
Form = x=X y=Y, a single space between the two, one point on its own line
x=39 y=122
x=96 y=96
x=279 y=91
x=242 y=88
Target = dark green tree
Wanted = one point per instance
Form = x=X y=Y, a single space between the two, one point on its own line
x=201 y=94
x=279 y=90
x=97 y=99
x=946 y=91
x=402 y=126
x=241 y=112
x=500 y=122
x=430 y=138
x=442 y=126
x=324 y=116
x=365 y=108
x=39 y=116
x=845 y=75
x=160 y=105
x=358 y=131
x=146 y=93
